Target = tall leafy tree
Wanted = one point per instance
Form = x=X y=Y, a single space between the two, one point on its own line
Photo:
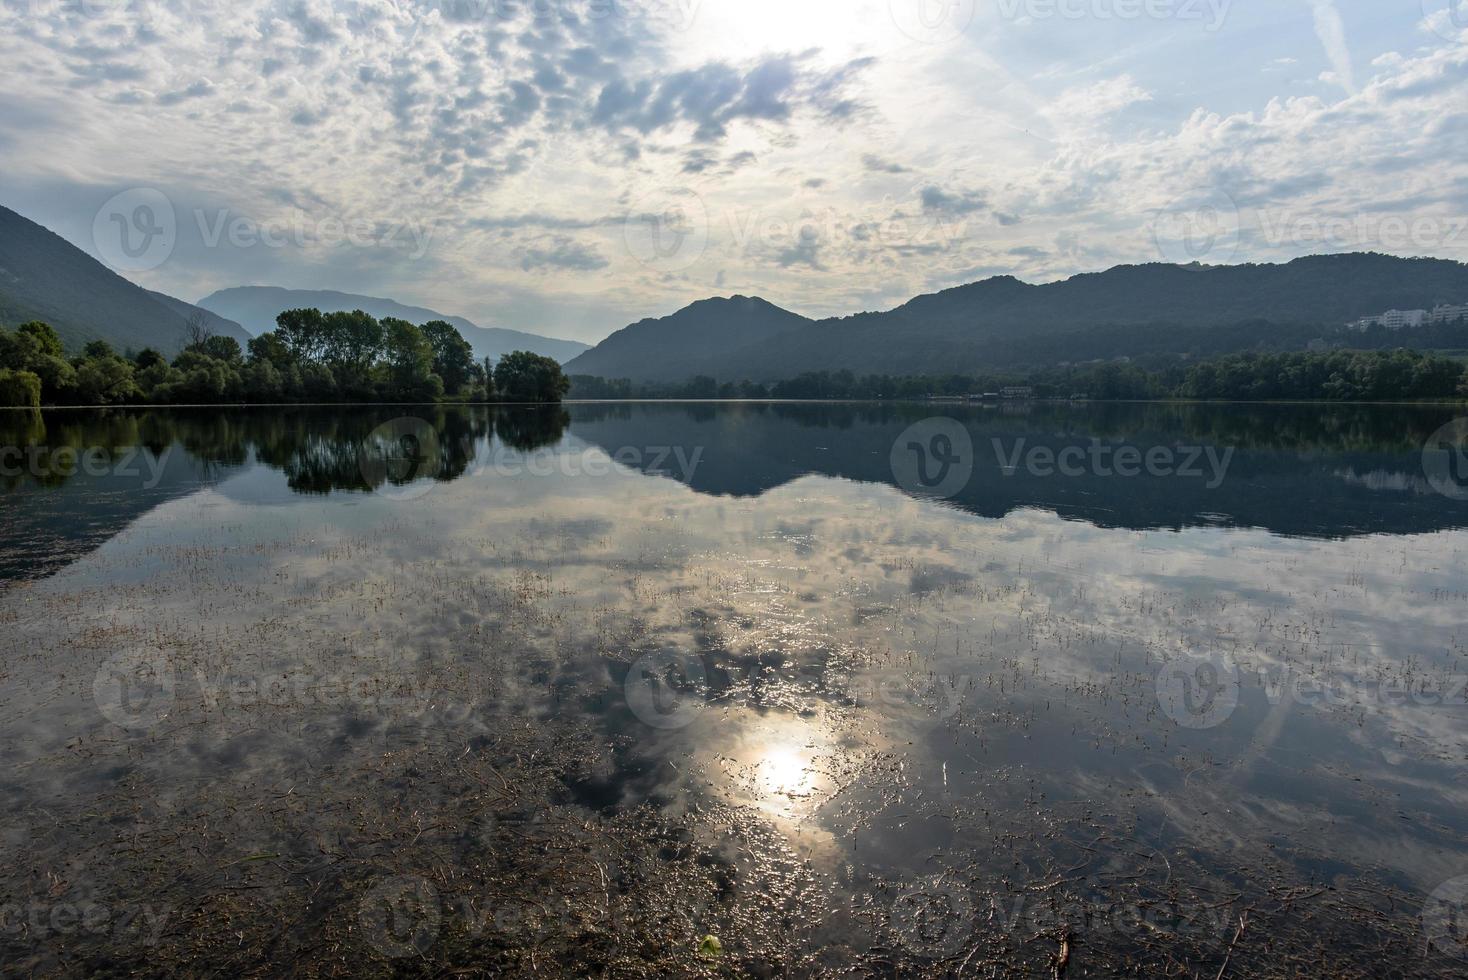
x=272 y=349
x=526 y=377
x=47 y=341
x=409 y=359
x=353 y=342
x=453 y=358
x=303 y=332
x=223 y=348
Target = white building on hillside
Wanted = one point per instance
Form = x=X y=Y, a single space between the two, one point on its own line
x=1448 y=314
x=1392 y=320
x=1408 y=319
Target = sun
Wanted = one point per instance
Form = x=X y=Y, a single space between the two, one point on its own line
x=744 y=28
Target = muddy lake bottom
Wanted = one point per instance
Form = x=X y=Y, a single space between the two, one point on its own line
x=733 y=690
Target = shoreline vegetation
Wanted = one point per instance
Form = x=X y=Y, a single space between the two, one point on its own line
x=311 y=357
x=1401 y=375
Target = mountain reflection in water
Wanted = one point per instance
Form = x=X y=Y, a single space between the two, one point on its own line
x=1320 y=470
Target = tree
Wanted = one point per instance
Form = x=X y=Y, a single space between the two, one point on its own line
x=272 y=348
x=409 y=361
x=489 y=388
x=526 y=377
x=351 y=345
x=197 y=330
x=19 y=389
x=303 y=332
x=263 y=382
x=204 y=379
x=105 y=381
x=147 y=358
x=98 y=349
x=47 y=342
x=225 y=349
x=453 y=357
x=34 y=347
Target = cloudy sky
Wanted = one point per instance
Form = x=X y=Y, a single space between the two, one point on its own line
x=568 y=166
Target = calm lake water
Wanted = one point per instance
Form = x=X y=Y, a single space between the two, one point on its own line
x=849 y=690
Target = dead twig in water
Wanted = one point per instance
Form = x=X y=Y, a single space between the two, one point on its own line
x=1243 y=924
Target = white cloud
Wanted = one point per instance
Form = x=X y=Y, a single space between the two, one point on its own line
x=835 y=176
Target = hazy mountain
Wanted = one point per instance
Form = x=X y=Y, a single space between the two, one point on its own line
x=212 y=321
x=44 y=277
x=256 y=307
x=695 y=340
x=1001 y=322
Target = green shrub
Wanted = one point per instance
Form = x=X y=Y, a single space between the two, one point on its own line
x=20 y=389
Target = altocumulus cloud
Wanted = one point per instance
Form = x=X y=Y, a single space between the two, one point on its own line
x=562 y=253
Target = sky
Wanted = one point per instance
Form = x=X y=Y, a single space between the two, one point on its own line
x=567 y=167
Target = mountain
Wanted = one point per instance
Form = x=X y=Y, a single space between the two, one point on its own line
x=257 y=307
x=212 y=322
x=44 y=277
x=1003 y=322
x=695 y=340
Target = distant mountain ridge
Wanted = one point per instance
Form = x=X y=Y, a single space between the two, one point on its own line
x=1004 y=322
x=45 y=277
x=256 y=307
x=692 y=341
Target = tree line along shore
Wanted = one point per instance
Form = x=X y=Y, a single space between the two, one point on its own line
x=310 y=357
x=1339 y=375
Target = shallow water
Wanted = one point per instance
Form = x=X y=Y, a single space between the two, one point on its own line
x=858 y=690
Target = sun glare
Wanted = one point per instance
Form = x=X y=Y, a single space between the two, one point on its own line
x=786 y=771
x=736 y=28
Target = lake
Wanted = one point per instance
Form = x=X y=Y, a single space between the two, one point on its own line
x=735 y=689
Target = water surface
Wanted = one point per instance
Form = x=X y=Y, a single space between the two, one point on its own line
x=565 y=691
